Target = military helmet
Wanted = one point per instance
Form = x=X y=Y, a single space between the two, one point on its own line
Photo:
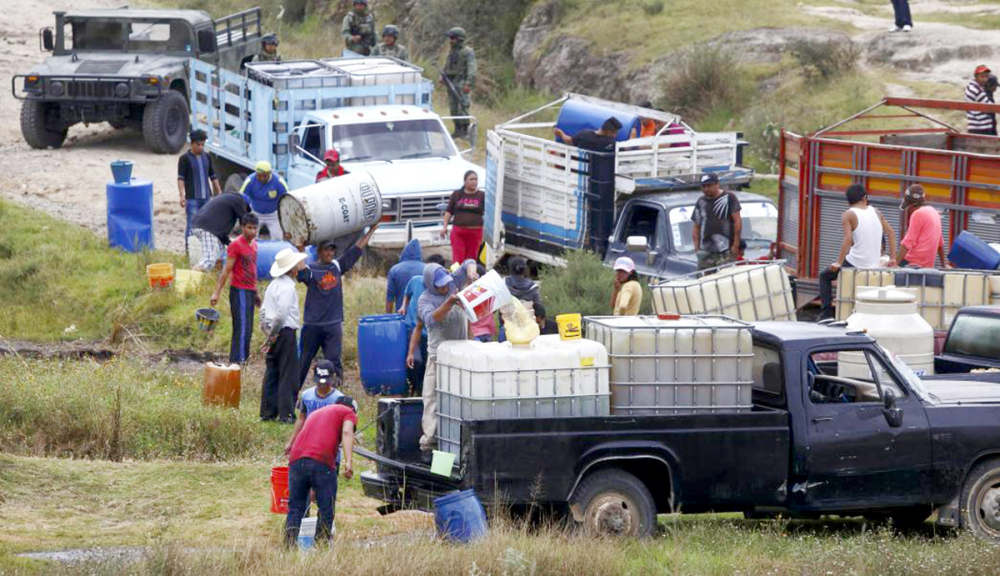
x=457 y=32
x=271 y=39
x=390 y=30
x=365 y=2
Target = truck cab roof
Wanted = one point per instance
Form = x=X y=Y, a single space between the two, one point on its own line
x=375 y=113
x=805 y=335
x=193 y=17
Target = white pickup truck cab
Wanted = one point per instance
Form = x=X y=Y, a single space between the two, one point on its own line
x=406 y=149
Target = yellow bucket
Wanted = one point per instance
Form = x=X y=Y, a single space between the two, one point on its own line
x=569 y=326
x=160 y=276
x=187 y=281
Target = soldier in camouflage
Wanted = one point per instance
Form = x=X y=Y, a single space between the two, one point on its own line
x=268 y=50
x=390 y=45
x=358 y=28
x=460 y=71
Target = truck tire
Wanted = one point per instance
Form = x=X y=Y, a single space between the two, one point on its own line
x=33 y=127
x=234 y=182
x=979 y=507
x=615 y=503
x=165 y=123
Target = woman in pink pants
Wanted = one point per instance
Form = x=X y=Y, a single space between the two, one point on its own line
x=465 y=212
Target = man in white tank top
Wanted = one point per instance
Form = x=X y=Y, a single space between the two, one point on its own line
x=864 y=227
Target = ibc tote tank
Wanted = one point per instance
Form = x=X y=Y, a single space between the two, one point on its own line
x=890 y=316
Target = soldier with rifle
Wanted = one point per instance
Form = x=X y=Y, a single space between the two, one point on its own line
x=358 y=28
x=459 y=76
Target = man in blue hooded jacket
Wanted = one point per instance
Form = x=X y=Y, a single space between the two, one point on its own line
x=409 y=266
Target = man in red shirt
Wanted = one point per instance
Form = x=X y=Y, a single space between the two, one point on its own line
x=312 y=466
x=923 y=240
x=333 y=168
x=241 y=271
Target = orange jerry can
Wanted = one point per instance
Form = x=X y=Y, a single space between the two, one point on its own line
x=222 y=385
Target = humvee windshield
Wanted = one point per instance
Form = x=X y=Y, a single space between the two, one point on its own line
x=94 y=34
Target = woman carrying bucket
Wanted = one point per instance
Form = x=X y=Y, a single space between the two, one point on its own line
x=466 y=206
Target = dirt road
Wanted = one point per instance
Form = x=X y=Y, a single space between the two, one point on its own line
x=70 y=182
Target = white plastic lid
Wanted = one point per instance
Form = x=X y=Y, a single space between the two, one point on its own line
x=886 y=294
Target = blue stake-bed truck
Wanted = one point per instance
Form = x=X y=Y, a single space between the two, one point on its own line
x=816 y=442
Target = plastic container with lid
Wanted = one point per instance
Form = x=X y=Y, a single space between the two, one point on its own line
x=672 y=364
x=890 y=316
x=492 y=380
x=752 y=292
x=382 y=345
x=969 y=251
x=222 y=385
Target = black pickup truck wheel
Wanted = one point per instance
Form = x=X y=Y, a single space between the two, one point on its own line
x=34 y=129
x=165 y=123
x=980 y=504
x=615 y=503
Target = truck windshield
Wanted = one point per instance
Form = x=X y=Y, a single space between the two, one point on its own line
x=912 y=380
x=974 y=335
x=760 y=225
x=136 y=36
x=388 y=141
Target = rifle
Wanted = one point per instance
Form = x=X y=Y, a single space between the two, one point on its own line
x=447 y=82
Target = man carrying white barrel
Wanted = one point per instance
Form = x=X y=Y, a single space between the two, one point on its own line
x=324 y=312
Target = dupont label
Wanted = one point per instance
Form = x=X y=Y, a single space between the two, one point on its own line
x=369 y=202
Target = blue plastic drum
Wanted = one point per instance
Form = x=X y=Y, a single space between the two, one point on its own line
x=577 y=115
x=460 y=516
x=266 y=251
x=382 y=354
x=969 y=251
x=130 y=215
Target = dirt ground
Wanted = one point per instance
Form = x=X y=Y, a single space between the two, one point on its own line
x=70 y=182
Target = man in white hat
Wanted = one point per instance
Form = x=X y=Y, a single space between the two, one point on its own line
x=279 y=317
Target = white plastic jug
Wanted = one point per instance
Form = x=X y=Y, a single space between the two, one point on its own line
x=307 y=533
x=484 y=296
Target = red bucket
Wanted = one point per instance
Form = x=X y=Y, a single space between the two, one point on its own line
x=279 y=489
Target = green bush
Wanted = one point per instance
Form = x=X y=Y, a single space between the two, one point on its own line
x=706 y=82
x=583 y=287
x=125 y=409
x=825 y=60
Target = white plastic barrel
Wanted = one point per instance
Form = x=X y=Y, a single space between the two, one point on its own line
x=890 y=316
x=330 y=209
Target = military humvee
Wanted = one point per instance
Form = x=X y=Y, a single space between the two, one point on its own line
x=129 y=68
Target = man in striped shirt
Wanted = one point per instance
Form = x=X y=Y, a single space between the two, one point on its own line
x=196 y=179
x=980 y=90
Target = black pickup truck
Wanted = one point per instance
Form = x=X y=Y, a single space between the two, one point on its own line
x=838 y=427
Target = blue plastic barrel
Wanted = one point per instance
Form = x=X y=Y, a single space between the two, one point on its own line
x=121 y=171
x=968 y=251
x=130 y=215
x=577 y=115
x=266 y=251
x=382 y=354
x=459 y=516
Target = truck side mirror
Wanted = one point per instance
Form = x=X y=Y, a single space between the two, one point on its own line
x=206 y=41
x=893 y=415
x=48 y=40
x=295 y=141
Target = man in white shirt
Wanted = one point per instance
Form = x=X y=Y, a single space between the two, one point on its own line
x=864 y=228
x=279 y=318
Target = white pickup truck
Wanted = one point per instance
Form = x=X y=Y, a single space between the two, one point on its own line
x=376 y=112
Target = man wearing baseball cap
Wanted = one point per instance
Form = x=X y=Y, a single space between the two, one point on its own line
x=980 y=91
x=332 y=167
x=262 y=191
x=627 y=294
x=324 y=312
x=438 y=309
x=717 y=224
x=923 y=240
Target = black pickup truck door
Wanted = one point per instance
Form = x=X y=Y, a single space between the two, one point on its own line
x=855 y=457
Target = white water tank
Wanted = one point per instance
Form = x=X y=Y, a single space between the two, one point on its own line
x=890 y=316
x=995 y=290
